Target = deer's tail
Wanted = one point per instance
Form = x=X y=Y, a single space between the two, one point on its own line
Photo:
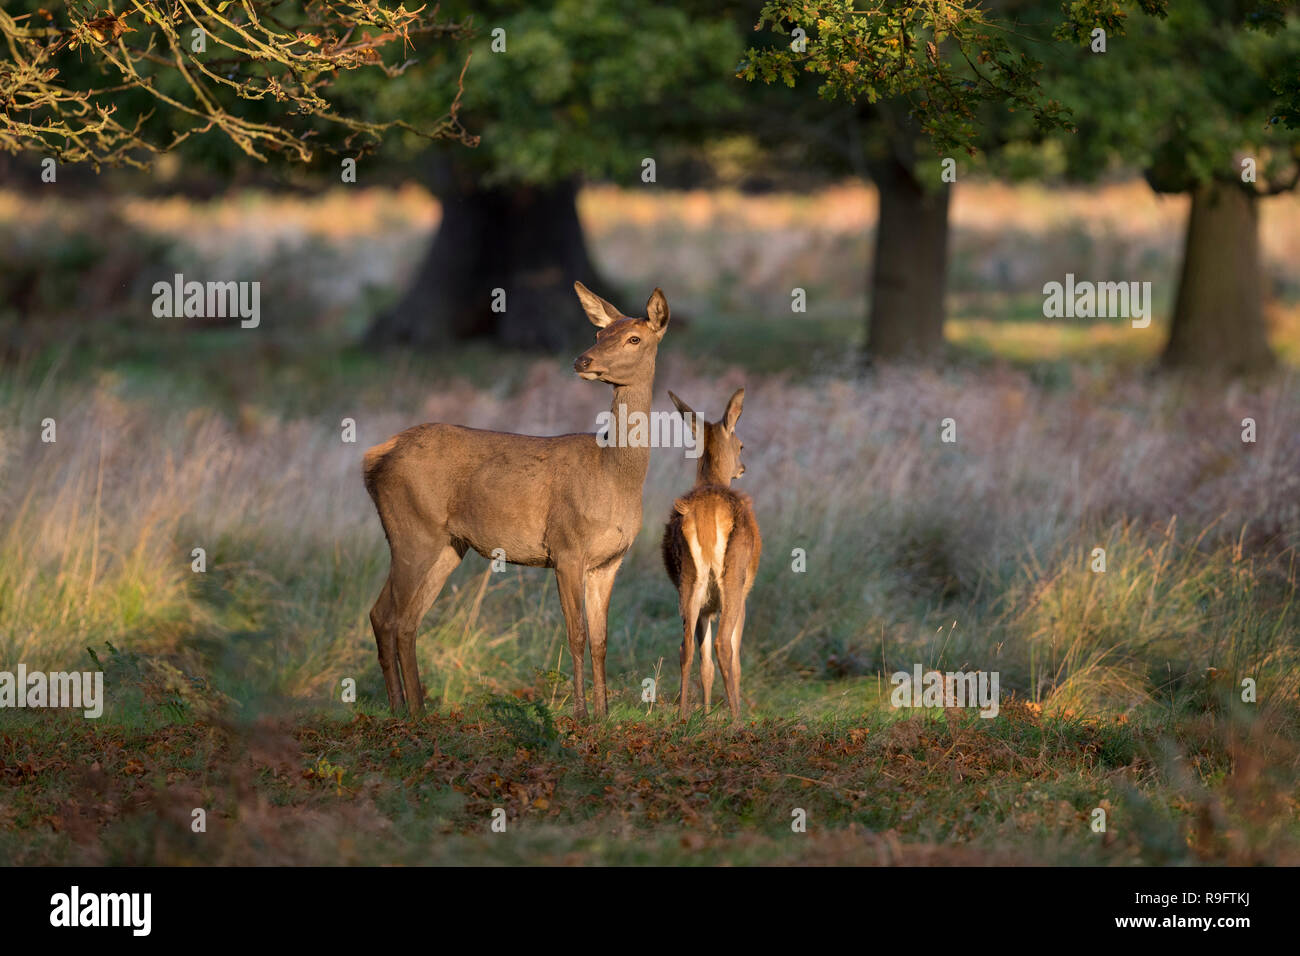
x=372 y=465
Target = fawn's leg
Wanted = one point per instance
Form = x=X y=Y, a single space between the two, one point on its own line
x=704 y=637
x=733 y=606
x=691 y=600
x=735 y=646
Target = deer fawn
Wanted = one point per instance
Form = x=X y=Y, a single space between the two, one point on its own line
x=711 y=547
x=561 y=502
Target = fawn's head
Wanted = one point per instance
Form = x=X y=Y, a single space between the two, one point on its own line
x=720 y=461
x=624 y=353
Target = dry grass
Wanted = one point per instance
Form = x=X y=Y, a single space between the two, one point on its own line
x=100 y=525
x=967 y=555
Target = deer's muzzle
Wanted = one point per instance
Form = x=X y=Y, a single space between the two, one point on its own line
x=582 y=365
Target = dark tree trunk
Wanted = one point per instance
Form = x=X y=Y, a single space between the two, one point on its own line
x=905 y=318
x=1218 y=323
x=525 y=241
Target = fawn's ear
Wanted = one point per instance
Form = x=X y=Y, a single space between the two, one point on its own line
x=656 y=311
x=732 y=414
x=682 y=407
x=598 y=310
x=693 y=421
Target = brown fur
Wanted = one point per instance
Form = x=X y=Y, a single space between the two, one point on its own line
x=711 y=548
x=372 y=463
x=561 y=502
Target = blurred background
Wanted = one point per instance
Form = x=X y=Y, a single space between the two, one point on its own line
x=864 y=249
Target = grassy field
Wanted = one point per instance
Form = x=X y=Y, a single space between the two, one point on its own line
x=1121 y=690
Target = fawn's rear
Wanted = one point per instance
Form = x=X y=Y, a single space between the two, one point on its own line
x=711 y=548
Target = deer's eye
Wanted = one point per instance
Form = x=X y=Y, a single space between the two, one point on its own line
x=634 y=340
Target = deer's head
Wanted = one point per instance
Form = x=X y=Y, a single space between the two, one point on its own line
x=720 y=461
x=624 y=353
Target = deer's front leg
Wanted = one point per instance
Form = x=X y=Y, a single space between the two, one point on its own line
x=570 y=580
x=600 y=585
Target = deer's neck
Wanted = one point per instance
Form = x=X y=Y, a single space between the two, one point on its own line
x=629 y=461
x=708 y=472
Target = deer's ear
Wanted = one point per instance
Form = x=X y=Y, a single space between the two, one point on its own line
x=682 y=407
x=733 y=409
x=598 y=310
x=656 y=311
x=693 y=421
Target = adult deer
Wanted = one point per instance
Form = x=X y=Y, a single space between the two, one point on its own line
x=711 y=547
x=562 y=502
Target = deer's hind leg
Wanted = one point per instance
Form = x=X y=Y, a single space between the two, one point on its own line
x=413 y=586
x=731 y=620
x=704 y=638
x=735 y=645
x=381 y=622
x=692 y=592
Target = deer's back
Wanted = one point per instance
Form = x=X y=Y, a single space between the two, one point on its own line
x=528 y=495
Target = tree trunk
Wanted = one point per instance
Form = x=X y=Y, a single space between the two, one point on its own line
x=526 y=242
x=909 y=276
x=1218 y=323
